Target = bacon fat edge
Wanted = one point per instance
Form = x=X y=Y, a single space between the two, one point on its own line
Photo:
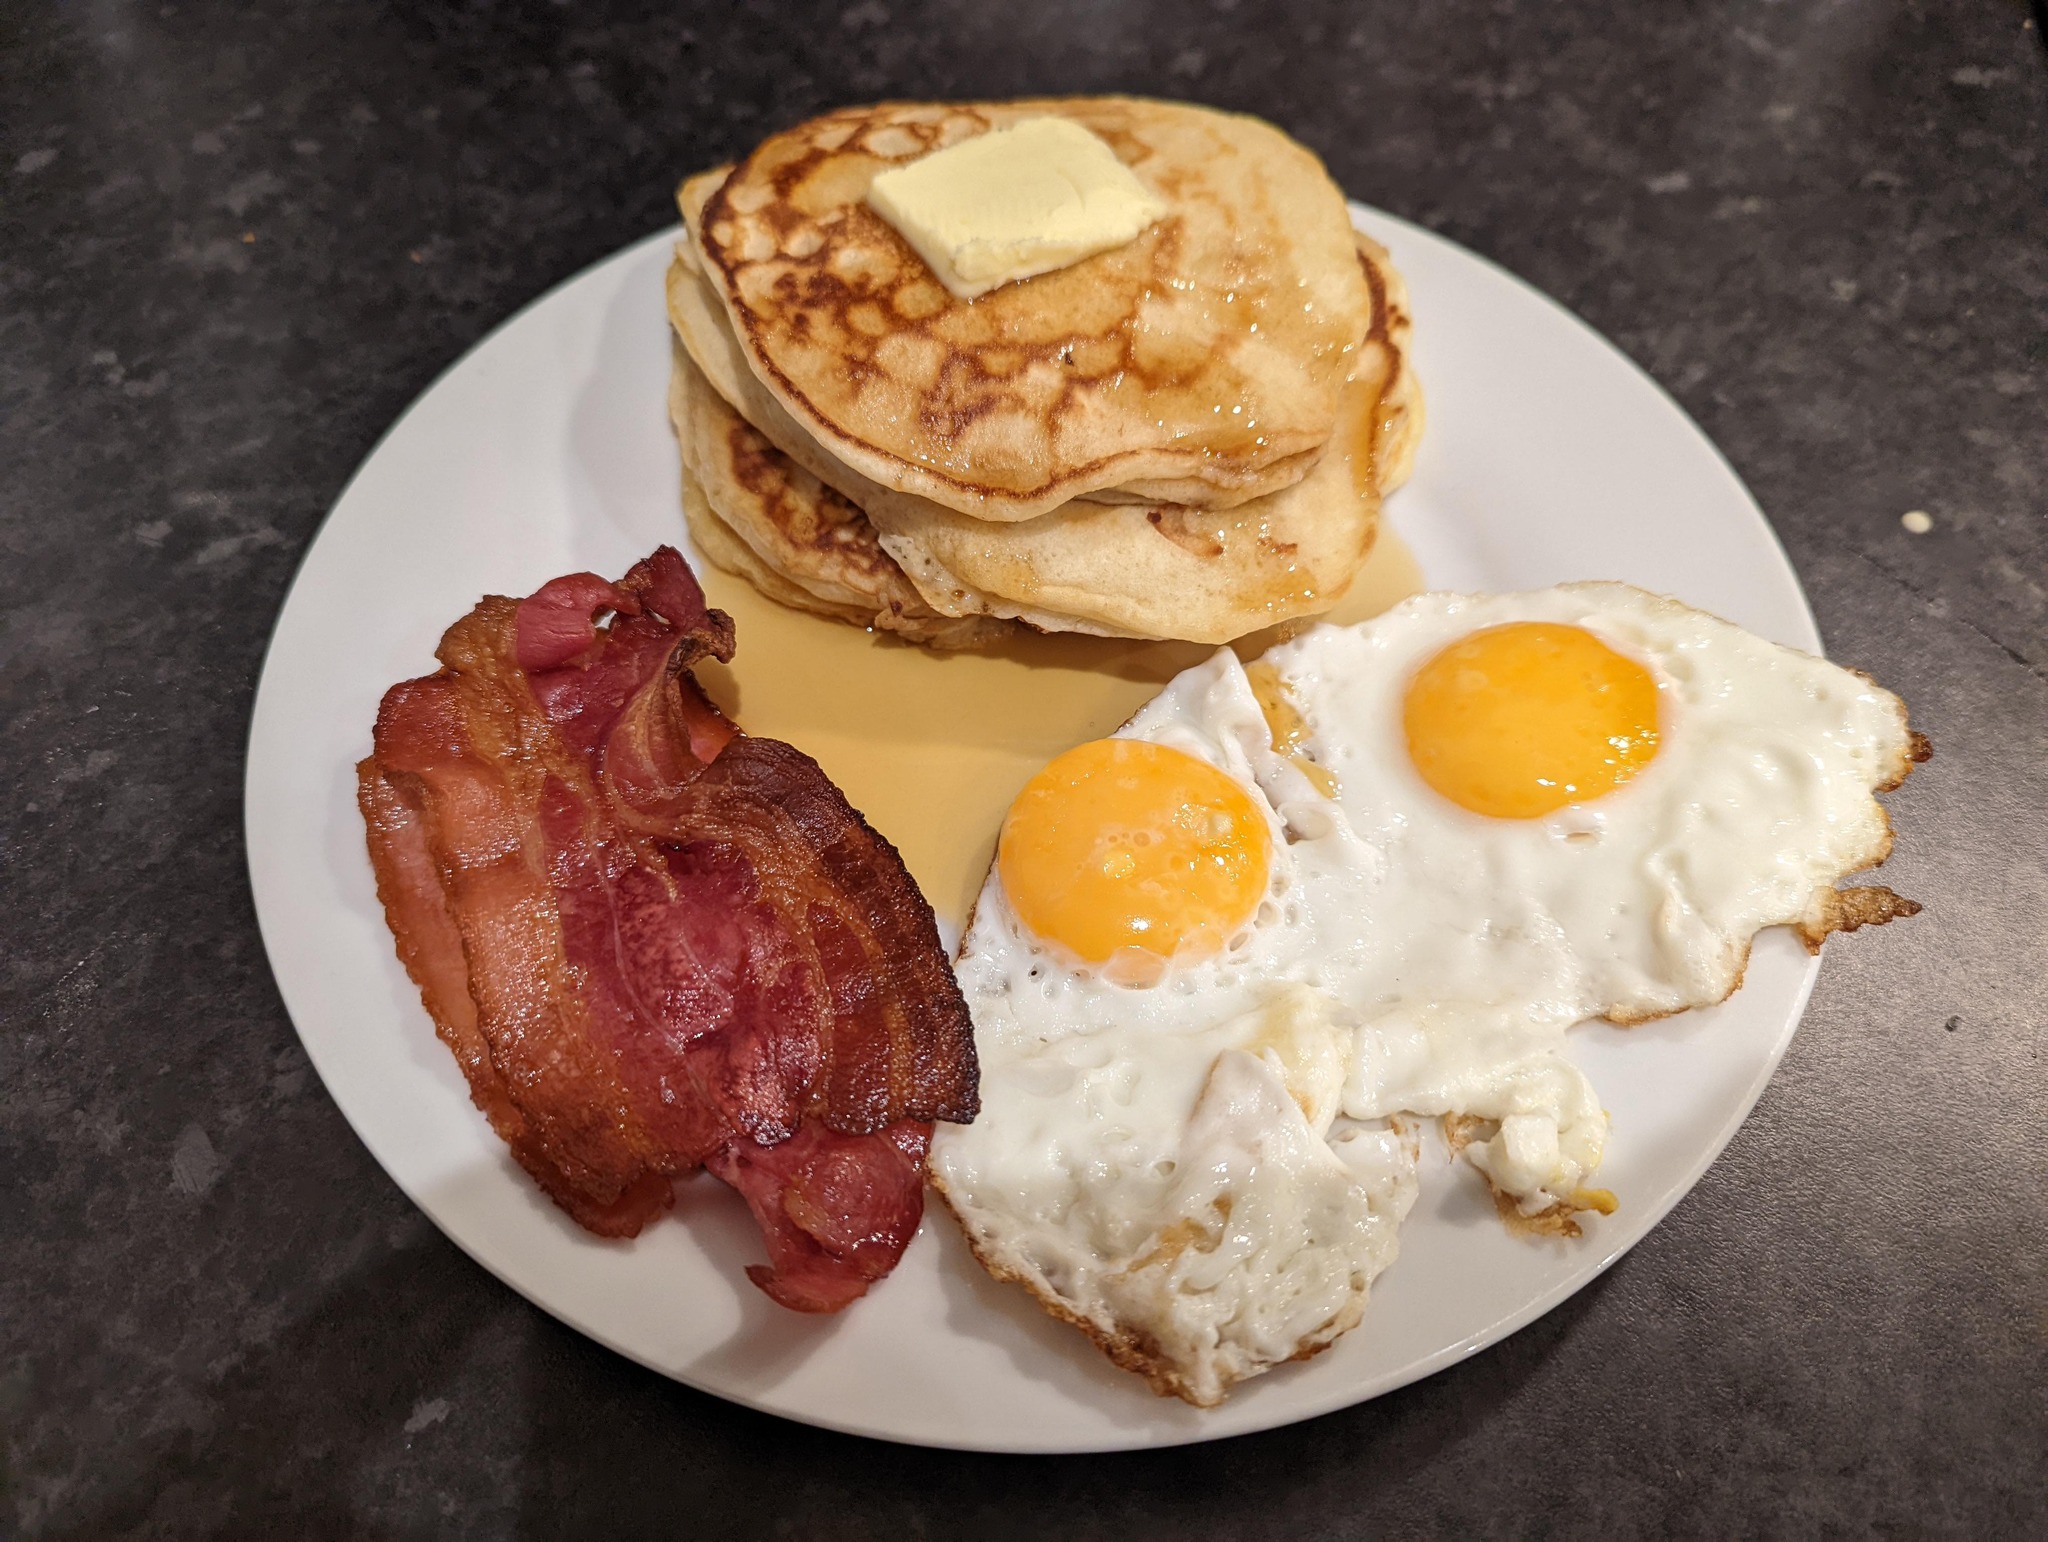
x=655 y=943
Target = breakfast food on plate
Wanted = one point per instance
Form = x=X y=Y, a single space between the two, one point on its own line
x=1223 y=957
x=655 y=943
x=1120 y=367
x=1084 y=364
x=755 y=512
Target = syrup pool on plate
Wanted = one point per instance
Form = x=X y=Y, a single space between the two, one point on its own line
x=934 y=747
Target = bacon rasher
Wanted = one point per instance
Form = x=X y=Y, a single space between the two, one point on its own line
x=655 y=943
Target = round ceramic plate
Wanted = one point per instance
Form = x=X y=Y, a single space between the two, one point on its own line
x=546 y=450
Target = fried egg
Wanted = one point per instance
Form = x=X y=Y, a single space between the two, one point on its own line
x=1224 y=959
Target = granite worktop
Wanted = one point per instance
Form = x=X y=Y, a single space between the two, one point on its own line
x=235 y=241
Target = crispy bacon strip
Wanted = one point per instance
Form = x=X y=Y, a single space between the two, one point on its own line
x=654 y=943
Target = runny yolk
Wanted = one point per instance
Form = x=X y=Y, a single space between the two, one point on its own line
x=1517 y=721
x=1122 y=844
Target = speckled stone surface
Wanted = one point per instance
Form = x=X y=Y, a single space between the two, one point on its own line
x=236 y=241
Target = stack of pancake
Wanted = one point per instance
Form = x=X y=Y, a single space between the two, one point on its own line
x=1187 y=436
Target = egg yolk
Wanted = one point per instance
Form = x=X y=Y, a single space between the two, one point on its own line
x=1517 y=721
x=1121 y=844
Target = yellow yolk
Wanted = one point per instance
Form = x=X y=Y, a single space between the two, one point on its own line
x=1519 y=720
x=1124 y=844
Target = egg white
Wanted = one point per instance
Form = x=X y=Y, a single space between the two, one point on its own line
x=1207 y=1173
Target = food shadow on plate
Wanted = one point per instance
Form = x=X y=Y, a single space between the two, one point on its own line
x=497 y=1202
x=1451 y=1192
x=1038 y=1348
x=769 y=1341
x=488 y=1203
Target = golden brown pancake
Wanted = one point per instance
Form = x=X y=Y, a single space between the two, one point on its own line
x=1124 y=570
x=1200 y=364
x=714 y=540
x=701 y=325
x=754 y=512
x=1401 y=413
x=1137 y=570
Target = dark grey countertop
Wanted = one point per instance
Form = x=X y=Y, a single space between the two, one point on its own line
x=236 y=241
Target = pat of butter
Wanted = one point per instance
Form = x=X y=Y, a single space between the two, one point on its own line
x=1014 y=203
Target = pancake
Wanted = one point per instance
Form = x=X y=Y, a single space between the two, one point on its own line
x=1401 y=411
x=714 y=541
x=1200 y=364
x=1220 y=574
x=1126 y=570
x=1135 y=570
x=702 y=327
x=755 y=513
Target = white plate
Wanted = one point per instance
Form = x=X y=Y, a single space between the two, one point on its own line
x=546 y=450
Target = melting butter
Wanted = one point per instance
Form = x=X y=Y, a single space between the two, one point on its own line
x=1014 y=203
